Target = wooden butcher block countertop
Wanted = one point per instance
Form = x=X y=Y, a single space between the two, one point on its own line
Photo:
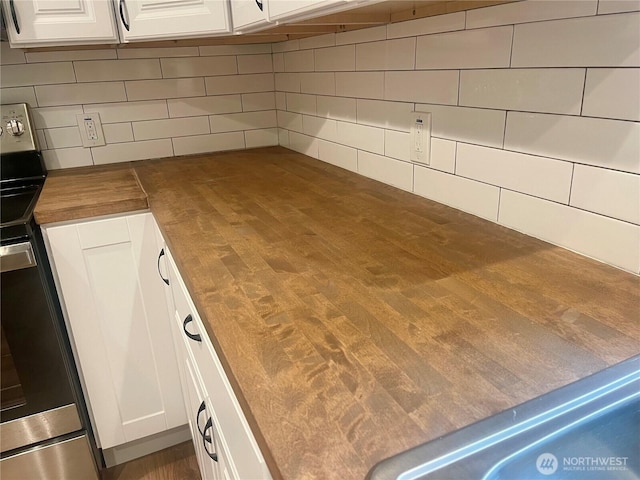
x=356 y=320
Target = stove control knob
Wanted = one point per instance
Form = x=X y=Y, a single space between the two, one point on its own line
x=15 y=127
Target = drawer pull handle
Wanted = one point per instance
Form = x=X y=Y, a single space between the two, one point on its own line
x=14 y=16
x=165 y=280
x=193 y=336
x=200 y=410
x=209 y=425
x=124 y=22
x=260 y=5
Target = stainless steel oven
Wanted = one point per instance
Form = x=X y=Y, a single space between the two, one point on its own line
x=43 y=422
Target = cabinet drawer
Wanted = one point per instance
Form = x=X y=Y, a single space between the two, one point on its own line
x=243 y=457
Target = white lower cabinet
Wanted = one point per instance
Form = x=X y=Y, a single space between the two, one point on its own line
x=108 y=277
x=224 y=443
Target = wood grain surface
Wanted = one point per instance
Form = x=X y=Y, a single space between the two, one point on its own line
x=356 y=320
x=84 y=193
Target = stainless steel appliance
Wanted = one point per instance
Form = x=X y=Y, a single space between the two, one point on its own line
x=44 y=428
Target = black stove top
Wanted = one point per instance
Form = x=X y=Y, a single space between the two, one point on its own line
x=16 y=212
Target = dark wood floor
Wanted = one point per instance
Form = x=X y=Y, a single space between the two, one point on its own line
x=175 y=463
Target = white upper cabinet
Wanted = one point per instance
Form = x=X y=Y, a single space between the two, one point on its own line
x=144 y=20
x=302 y=9
x=33 y=23
x=249 y=15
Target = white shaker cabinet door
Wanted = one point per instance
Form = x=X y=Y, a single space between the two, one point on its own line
x=59 y=22
x=249 y=15
x=113 y=295
x=300 y=9
x=155 y=19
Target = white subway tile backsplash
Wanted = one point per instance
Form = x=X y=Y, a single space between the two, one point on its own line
x=387 y=170
x=278 y=62
x=69 y=55
x=255 y=63
x=467 y=195
x=617 y=6
x=20 y=75
x=550 y=90
x=443 y=155
x=397 y=54
x=132 y=151
x=362 y=137
x=11 y=56
x=301 y=103
x=197 y=106
x=318 y=41
x=337 y=108
x=300 y=61
x=287 y=82
x=360 y=84
x=290 y=121
x=243 y=121
x=318 y=83
x=283 y=137
x=67 y=158
x=53 y=117
x=118 y=132
x=128 y=111
x=422 y=86
x=240 y=49
x=390 y=115
x=603 y=238
x=371 y=34
x=199 y=66
x=267 y=137
x=157 y=52
x=161 y=89
x=577 y=139
x=471 y=125
x=612 y=93
x=108 y=70
x=259 y=82
x=397 y=145
x=323 y=128
x=80 y=93
x=216 y=142
x=288 y=46
x=530 y=11
x=538 y=176
x=304 y=144
x=63 y=137
x=338 y=155
x=174 y=127
x=601 y=41
x=424 y=26
x=608 y=192
x=483 y=48
x=281 y=101
x=252 y=102
x=19 y=95
x=335 y=59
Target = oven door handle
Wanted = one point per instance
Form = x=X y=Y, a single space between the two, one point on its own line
x=17 y=257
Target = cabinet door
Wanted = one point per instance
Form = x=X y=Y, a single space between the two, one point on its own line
x=119 y=324
x=287 y=9
x=249 y=15
x=59 y=22
x=153 y=19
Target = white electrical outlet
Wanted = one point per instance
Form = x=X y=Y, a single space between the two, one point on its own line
x=90 y=129
x=420 y=148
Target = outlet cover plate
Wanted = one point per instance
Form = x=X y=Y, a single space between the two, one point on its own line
x=420 y=146
x=90 y=129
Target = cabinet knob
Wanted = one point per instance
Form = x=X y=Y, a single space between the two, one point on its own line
x=260 y=5
x=121 y=8
x=14 y=16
